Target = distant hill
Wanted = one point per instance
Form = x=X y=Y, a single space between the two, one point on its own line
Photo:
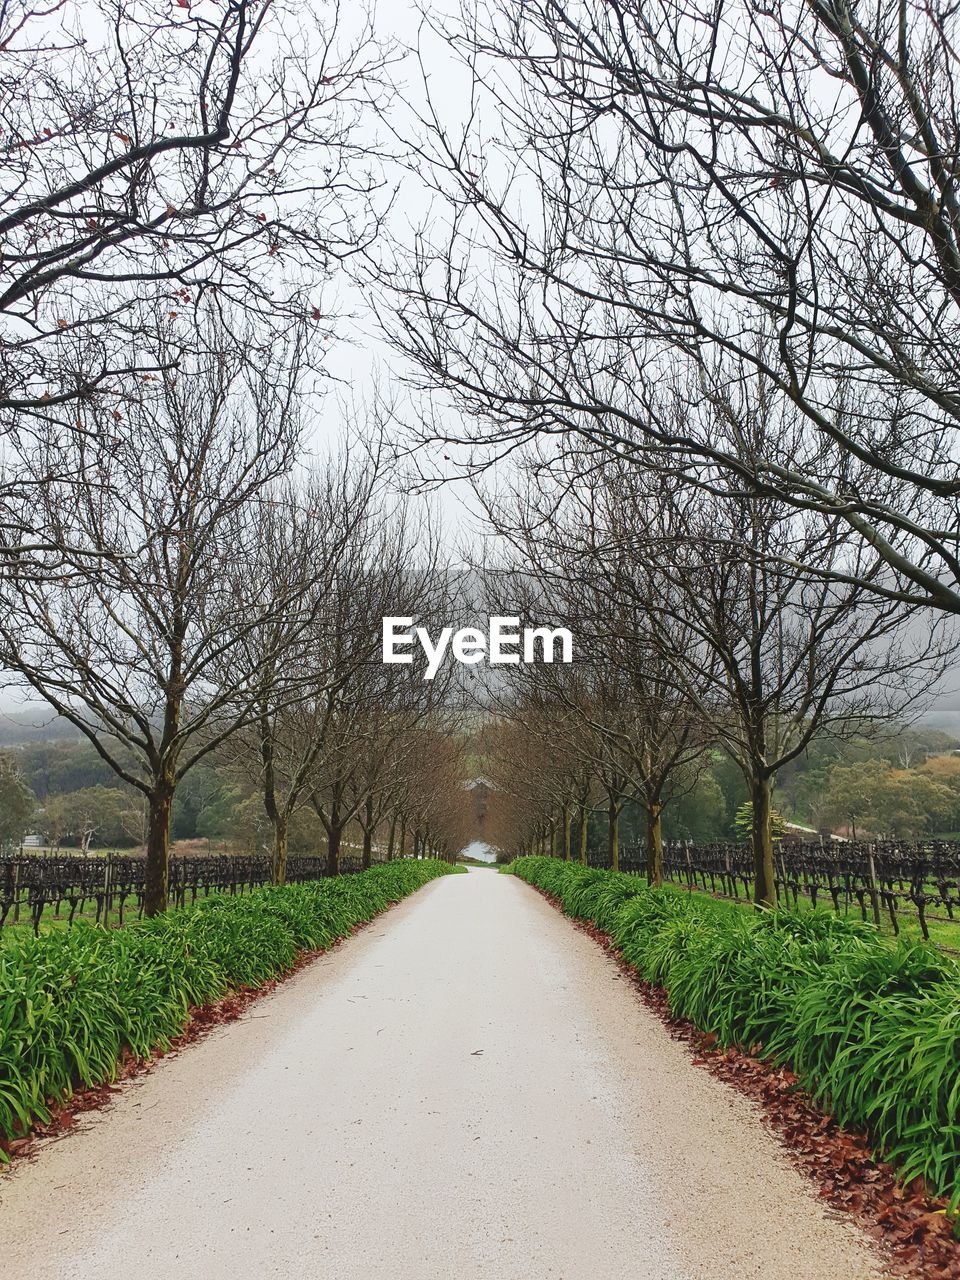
x=20 y=728
x=944 y=714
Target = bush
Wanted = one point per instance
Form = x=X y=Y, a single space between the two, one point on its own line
x=872 y=1029
x=72 y=1001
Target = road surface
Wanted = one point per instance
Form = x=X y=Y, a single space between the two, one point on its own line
x=466 y=1090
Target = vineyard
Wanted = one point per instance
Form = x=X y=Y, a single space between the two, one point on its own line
x=883 y=881
x=112 y=886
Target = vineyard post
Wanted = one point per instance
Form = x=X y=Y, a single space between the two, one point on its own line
x=874 y=891
x=783 y=870
x=918 y=893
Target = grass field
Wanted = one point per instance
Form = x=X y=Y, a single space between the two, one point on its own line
x=52 y=918
x=943 y=933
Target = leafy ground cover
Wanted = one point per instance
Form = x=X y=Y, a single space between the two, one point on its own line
x=870 y=1028
x=74 y=1002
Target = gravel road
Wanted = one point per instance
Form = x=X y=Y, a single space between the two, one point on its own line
x=468 y=1089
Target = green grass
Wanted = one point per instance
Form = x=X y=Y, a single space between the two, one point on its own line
x=73 y=1001
x=943 y=933
x=51 y=919
x=871 y=1026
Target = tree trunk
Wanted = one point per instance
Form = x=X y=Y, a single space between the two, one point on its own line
x=567 y=824
x=276 y=812
x=367 y=859
x=654 y=811
x=403 y=837
x=334 y=832
x=584 y=831
x=157 y=878
x=391 y=838
x=280 y=834
x=613 y=834
x=765 y=889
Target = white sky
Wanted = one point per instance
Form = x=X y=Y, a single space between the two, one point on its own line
x=360 y=360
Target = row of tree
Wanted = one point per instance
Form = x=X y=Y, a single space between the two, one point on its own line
x=184 y=579
x=222 y=606
x=702 y=623
x=703 y=265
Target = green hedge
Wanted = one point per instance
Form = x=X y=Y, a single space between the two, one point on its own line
x=71 y=1001
x=871 y=1028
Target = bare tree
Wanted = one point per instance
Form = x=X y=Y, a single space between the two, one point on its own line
x=313 y=542
x=695 y=623
x=141 y=646
x=653 y=203
x=158 y=160
x=165 y=154
x=775 y=655
x=392 y=742
x=437 y=804
x=618 y=715
x=371 y=710
x=539 y=757
x=651 y=737
x=523 y=703
x=540 y=785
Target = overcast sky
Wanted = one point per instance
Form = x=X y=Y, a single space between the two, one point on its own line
x=361 y=360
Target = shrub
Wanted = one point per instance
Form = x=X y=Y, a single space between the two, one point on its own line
x=872 y=1029
x=72 y=1001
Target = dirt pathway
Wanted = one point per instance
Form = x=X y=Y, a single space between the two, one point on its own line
x=466 y=1090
